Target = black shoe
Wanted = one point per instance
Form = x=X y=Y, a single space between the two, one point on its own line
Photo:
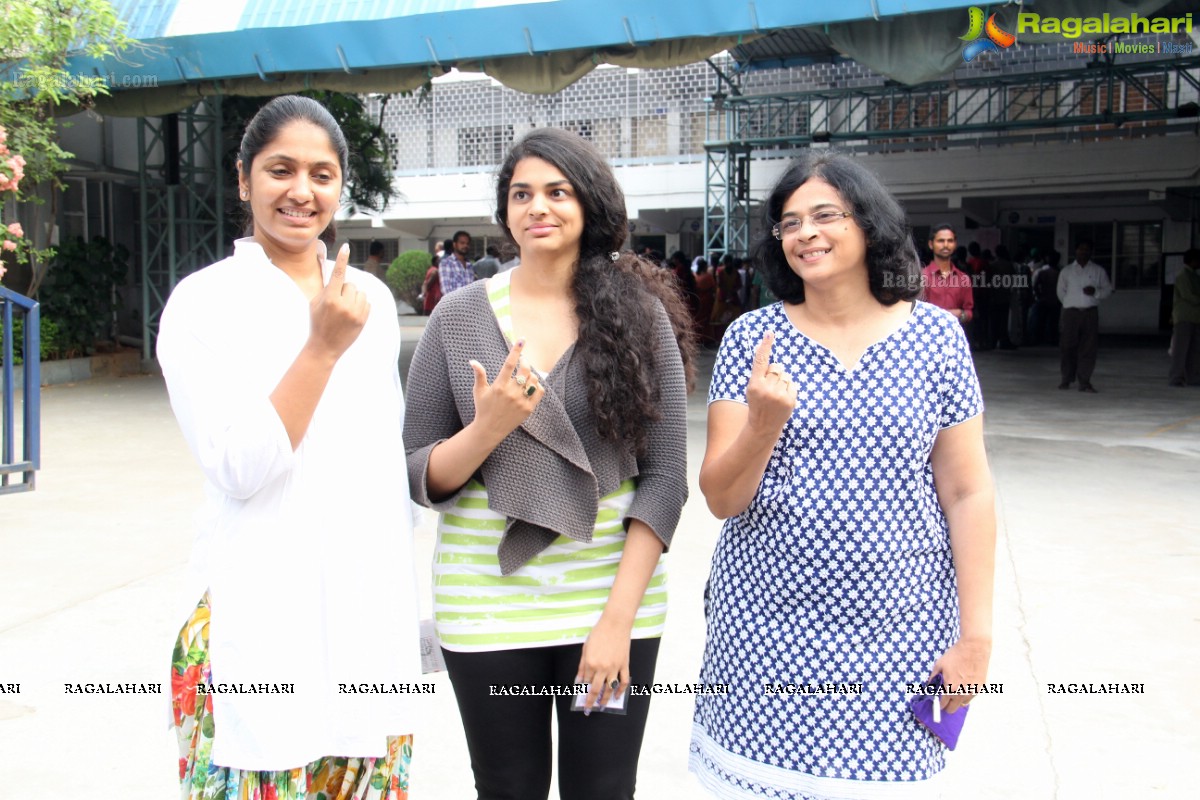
x=1065 y=385
x=1087 y=387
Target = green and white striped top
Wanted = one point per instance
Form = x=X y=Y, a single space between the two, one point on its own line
x=554 y=599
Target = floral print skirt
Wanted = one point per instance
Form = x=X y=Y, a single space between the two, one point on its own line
x=331 y=778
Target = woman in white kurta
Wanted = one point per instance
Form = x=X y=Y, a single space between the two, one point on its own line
x=282 y=372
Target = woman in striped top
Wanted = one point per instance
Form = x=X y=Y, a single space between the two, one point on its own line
x=547 y=422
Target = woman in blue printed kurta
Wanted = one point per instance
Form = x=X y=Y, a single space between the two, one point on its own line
x=846 y=453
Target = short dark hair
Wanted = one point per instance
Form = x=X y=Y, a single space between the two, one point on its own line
x=375 y=249
x=448 y=245
x=892 y=268
x=276 y=115
x=458 y=234
x=493 y=251
x=941 y=226
x=1084 y=241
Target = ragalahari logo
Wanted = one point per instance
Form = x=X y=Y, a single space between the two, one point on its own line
x=996 y=37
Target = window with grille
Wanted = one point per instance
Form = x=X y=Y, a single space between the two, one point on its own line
x=649 y=136
x=1138 y=260
x=483 y=147
x=583 y=127
x=908 y=111
x=1033 y=103
x=360 y=249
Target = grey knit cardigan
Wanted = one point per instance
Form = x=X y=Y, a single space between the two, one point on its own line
x=548 y=475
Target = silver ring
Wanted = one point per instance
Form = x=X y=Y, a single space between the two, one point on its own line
x=520 y=379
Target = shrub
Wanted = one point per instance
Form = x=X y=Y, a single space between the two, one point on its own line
x=406 y=274
x=79 y=291
x=48 y=341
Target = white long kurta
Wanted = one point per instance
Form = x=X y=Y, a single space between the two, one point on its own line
x=308 y=554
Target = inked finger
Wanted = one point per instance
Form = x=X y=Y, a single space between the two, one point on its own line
x=762 y=353
x=509 y=368
x=337 y=278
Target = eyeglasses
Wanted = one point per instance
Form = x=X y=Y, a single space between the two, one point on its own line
x=791 y=227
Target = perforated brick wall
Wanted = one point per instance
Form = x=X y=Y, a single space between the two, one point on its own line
x=642 y=115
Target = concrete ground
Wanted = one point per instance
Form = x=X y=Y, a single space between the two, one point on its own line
x=1096 y=583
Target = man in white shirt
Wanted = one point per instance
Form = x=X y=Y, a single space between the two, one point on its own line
x=1082 y=284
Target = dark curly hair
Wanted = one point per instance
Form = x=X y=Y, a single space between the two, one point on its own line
x=614 y=300
x=276 y=115
x=893 y=269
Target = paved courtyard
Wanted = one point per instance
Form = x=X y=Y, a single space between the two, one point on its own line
x=1097 y=567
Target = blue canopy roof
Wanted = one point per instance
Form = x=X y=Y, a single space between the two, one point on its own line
x=203 y=40
x=197 y=48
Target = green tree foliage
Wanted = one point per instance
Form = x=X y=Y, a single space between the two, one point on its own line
x=369 y=184
x=36 y=39
x=80 y=292
x=406 y=274
x=48 y=340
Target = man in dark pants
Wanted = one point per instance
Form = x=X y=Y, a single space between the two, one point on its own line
x=1082 y=284
x=1002 y=296
x=1043 y=315
x=1185 y=344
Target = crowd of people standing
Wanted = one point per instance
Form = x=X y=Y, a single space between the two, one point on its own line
x=1003 y=301
x=715 y=293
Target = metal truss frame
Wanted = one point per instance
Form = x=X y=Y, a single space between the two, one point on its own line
x=727 y=200
x=1100 y=97
x=181 y=188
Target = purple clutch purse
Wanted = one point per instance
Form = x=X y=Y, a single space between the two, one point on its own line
x=940 y=723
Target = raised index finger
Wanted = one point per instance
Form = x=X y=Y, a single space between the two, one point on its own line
x=762 y=353
x=514 y=358
x=338 y=277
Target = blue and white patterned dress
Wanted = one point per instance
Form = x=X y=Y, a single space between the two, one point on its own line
x=838 y=574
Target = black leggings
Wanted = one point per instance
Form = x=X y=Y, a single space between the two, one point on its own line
x=509 y=736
